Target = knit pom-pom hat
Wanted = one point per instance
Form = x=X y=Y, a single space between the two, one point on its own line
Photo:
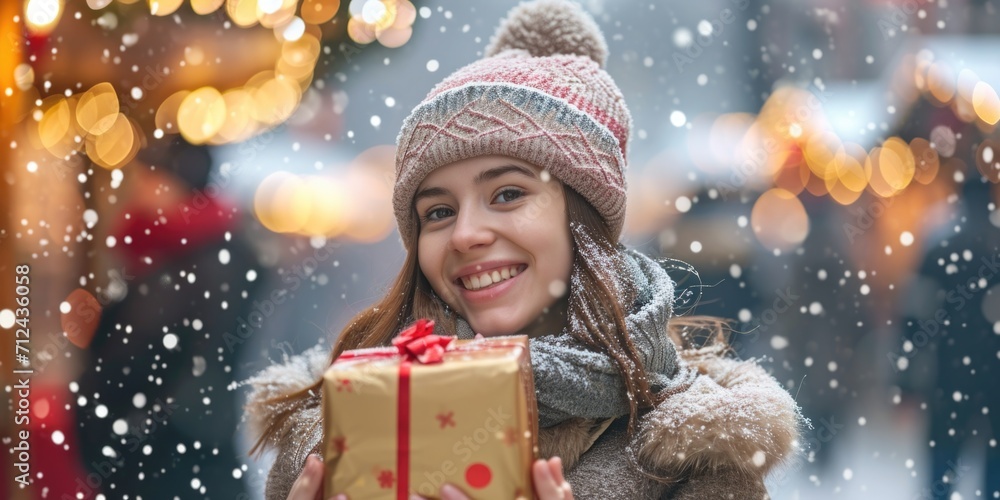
x=541 y=95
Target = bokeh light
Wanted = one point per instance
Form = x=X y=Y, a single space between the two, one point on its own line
x=205 y=7
x=242 y=12
x=201 y=114
x=779 y=220
x=926 y=161
x=166 y=114
x=97 y=109
x=319 y=11
x=116 y=146
x=986 y=103
x=41 y=16
x=164 y=7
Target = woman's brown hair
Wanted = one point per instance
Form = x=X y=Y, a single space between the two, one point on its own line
x=600 y=292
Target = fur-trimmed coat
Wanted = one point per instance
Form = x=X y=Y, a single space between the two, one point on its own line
x=718 y=439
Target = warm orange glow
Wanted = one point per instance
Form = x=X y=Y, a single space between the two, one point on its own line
x=360 y=31
x=877 y=182
x=164 y=7
x=963 y=95
x=329 y=212
x=298 y=58
x=793 y=177
x=204 y=7
x=97 y=109
x=279 y=17
x=779 y=220
x=41 y=16
x=986 y=103
x=238 y=125
x=275 y=100
x=302 y=52
x=371 y=212
x=400 y=30
x=380 y=14
x=926 y=161
x=283 y=202
x=849 y=177
x=201 y=114
x=166 y=114
x=406 y=13
x=194 y=55
x=242 y=12
x=319 y=11
x=897 y=163
x=852 y=169
x=116 y=146
x=941 y=82
x=55 y=125
x=920 y=75
x=819 y=153
x=24 y=76
x=395 y=37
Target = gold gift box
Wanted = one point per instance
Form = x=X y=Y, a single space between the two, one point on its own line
x=471 y=420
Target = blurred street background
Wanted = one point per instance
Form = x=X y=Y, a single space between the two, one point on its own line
x=201 y=188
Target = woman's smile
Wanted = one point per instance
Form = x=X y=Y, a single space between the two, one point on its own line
x=488 y=286
x=490 y=276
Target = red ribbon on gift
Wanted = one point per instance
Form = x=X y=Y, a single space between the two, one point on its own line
x=418 y=342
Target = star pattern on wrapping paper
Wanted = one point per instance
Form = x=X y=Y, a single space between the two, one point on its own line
x=386 y=479
x=446 y=419
x=340 y=444
x=345 y=385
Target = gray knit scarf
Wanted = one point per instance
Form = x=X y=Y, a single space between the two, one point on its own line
x=574 y=381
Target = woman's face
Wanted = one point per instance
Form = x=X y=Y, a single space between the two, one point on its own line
x=494 y=244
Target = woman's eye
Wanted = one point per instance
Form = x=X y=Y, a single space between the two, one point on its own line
x=510 y=194
x=436 y=214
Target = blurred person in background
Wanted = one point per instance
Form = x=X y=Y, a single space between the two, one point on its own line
x=948 y=357
x=160 y=419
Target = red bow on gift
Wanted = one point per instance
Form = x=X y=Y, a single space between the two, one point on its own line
x=418 y=342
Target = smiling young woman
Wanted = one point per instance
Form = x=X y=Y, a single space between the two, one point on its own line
x=510 y=201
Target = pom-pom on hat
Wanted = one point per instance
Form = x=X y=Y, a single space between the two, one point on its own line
x=541 y=95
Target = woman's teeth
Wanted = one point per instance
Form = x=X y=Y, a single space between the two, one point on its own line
x=486 y=279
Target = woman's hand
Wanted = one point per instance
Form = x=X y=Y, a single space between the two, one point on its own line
x=309 y=485
x=549 y=483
